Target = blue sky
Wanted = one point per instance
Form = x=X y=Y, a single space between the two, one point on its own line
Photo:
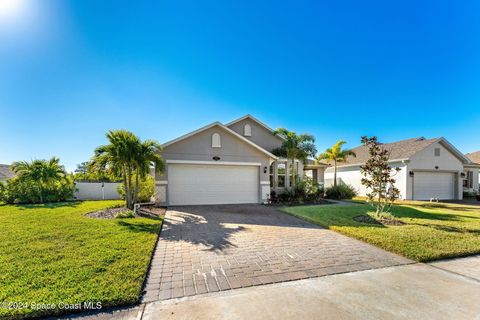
x=71 y=70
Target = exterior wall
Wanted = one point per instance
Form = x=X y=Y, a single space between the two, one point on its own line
x=351 y=175
x=93 y=191
x=476 y=178
x=199 y=148
x=425 y=160
x=260 y=136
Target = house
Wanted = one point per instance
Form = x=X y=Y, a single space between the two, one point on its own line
x=471 y=176
x=5 y=172
x=226 y=164
x=429 y=168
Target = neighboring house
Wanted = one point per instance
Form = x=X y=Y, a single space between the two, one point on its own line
x=5 y=172
x=226 y=164
x=429 y=168
x=471 y=174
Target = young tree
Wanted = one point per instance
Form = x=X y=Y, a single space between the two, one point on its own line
x=295 y=146
x=378 y=177
x=40 y=173
x=127 y=156
x=335 y=154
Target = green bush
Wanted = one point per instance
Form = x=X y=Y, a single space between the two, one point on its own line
x=306 y=190
x=18 y=190
x=340 y=191
x=146 y=189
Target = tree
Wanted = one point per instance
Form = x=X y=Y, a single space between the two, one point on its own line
x=41 y=173
x=86 y=171
x=295 y=146
x=127 y=156
x=335 y=154
x=378 y=177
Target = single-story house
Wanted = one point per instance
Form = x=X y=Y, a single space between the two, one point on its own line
x=5 y=172
x=226 y=164
x=429 y=168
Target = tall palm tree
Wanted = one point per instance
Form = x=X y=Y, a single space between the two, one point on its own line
x=335 y=154
x=295 y=146
x=41 y=173
x=126 y=155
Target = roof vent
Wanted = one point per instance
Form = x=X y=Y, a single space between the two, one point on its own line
x=421 y=139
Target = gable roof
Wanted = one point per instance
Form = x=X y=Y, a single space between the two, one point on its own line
x=402 y=150
x=474 y=157
x=249 y=116
x=213 y=124
x=5 y=172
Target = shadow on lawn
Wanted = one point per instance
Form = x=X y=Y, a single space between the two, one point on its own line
x=410 y=212
x=49 y=205
x=140 y=226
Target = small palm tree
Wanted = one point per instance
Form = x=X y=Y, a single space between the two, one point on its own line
x=41 y=173
x=127 y=156
x=335 y=154
x=295 y=146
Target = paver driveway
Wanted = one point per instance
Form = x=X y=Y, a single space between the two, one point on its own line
x=211 y=248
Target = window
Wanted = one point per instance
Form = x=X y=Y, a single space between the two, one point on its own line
x=216 y=141
x=281 y=172
x=272 y=175
x=247 y=130
x=468 y=181
x=437 y=152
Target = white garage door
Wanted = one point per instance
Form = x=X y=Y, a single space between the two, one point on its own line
x=212 y=184
x=428 y=185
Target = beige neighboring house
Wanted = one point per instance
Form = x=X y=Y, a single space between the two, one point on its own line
x=5 y=172
x=429 y=168
x=226 y=164
x=469 y=182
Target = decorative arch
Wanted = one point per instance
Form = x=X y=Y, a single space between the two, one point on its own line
x=216 y=142
x=247 y=130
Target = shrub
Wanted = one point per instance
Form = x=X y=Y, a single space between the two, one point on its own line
x=146 y=189
x=306 y=190
x=340 y=191
x=17 y=190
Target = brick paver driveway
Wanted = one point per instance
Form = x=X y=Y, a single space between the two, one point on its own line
x=211 y=248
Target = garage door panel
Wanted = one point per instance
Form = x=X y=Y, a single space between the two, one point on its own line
x=212 y=184
x=428 y=185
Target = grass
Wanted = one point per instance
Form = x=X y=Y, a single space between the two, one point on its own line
x=52 y=254
x=433 y=230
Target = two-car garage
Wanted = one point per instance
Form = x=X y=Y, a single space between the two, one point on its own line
x=434 y=185
x=194 y=184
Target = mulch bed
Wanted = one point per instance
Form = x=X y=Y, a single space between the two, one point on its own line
x=109 y=213
x=156 y=211
x=380 y=222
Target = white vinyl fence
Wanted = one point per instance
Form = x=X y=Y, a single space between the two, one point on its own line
x=97 y=191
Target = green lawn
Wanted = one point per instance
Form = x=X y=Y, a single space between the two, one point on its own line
x=433 y=231
x=52 y=254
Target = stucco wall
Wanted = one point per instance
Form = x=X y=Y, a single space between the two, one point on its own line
x=260 y=135
x=93 y=191
x=199 y=148
x=353 y=176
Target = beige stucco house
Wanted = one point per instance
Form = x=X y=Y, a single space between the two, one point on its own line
x=226 y=164
x=429 y=168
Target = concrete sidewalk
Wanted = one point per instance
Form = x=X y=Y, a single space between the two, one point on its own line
x=447 y=289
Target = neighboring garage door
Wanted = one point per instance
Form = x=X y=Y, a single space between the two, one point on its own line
x=212 y=184
x=429 y=185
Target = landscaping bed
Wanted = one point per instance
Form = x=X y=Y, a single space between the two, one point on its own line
x=428 y=231
x=53 y=256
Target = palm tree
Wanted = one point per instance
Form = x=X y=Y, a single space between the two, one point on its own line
x=336 y=154
x=42 y=173
x=147 y=156
x=295 y=146
x=126 y=155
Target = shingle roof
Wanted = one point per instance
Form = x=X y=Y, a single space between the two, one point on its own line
x=474 y=156
x=403 y=149
x=5 y=172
